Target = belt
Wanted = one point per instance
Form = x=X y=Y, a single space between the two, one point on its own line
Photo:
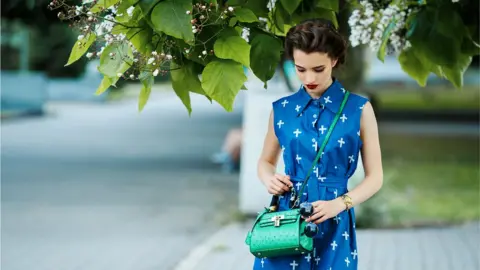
x=313 y=185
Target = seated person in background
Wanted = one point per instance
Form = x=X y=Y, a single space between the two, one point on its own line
x=229 y=156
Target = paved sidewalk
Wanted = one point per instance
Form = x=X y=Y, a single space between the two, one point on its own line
x=448 y=248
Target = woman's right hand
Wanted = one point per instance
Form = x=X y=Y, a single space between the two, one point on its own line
x=277 y=184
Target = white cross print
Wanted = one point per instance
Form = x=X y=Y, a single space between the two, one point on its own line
x=285 y=102
x=298 y=158
x=358 y=133
x=315 y=116
x=297 y=132
x=308 y=257
x=344 y=118
x=298 y=108
x=315 y=170
x=334 y=245
x=322 y=179
x=298 y=185
x=346 y=235
x=336 y=193
x=341 y=142
x=337 y=219
x=263 y=262
x=317 y=260
x=354 y=254
x=347 y=261
x=343 y=90
x=363 y=106
x=315 y=144
x=327 y=100
x=351 y=159
x=280 y=123
x=283 y=148
x=294 y=265
x=322 y=129
x=314 y=122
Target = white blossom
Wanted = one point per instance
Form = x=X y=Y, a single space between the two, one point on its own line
x=80 y=37
x=246 y=33
x=132 y=76
x=89 y=55
x=204 y=52
x=119 y=74
x=150 y=60
x=130 y=11
x=230 y=9
x=169 y=57
x=155 y=72
x=188 y=12
x=271 y=4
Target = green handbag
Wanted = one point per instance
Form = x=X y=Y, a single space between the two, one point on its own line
x=279 y=233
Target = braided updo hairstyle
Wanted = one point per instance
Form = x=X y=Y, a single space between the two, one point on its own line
x=316 y=35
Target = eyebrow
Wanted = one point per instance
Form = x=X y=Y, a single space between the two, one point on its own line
x=322 y=66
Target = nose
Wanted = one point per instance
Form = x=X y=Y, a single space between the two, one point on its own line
x=310 y=78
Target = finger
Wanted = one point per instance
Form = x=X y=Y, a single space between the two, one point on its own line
x=284 y=180
x=277 y=189
x=316 y=215
x=281 y=185
x=322 y=219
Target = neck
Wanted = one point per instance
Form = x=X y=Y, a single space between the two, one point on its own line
x=317 y=93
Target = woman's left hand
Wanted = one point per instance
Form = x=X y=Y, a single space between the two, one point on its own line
x=323 y=210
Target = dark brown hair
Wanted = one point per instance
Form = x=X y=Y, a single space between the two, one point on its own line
x=316 y=35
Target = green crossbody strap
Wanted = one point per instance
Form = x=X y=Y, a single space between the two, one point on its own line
x=319 y=154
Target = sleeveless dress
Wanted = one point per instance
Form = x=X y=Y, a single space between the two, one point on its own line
x=301 y=124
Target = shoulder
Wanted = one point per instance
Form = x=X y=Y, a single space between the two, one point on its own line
x=285 y=100
x=358 y=100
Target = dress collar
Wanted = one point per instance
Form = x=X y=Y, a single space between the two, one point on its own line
x=330 y=99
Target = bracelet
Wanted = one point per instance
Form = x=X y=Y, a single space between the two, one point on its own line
x=347 y=201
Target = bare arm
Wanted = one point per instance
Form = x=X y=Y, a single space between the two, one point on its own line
x=371 y=157
x=267 y=163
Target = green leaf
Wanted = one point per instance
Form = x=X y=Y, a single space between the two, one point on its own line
x=222 y=80
x=147 y=5
x=81 y=47
x=265 y=56
x=147 y=81
x=103 y=4
x=259 y=7
x=385 y=37
x=170 y=17
x=140 y=38
x=118 y=63
x=290 y=5
x=328 y=4
x=316 y=13
x=245 y=15
x=231 y=46
x=470 y=47
x=233 y=21
x=279 y=15
x=427 y=37
x=455 y=74
x=184 y=80
x=413 y=66
x=105 y=84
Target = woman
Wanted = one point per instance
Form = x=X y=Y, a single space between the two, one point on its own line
x=297 y=127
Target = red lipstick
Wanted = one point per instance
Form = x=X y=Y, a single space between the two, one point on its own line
x=311 y=86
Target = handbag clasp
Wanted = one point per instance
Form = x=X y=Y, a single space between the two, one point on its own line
x=276 y=220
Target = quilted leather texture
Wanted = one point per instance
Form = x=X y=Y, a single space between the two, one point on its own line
x=268 y=240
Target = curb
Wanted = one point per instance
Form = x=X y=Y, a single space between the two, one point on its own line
x=195 y=257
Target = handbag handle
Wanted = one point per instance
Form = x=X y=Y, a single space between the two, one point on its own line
x=275 y=199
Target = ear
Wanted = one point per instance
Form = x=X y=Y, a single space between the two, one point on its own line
x=334 y=62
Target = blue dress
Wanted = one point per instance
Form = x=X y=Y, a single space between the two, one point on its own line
x=301 y=124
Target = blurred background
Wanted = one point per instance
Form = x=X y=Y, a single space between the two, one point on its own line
x=87 y=182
